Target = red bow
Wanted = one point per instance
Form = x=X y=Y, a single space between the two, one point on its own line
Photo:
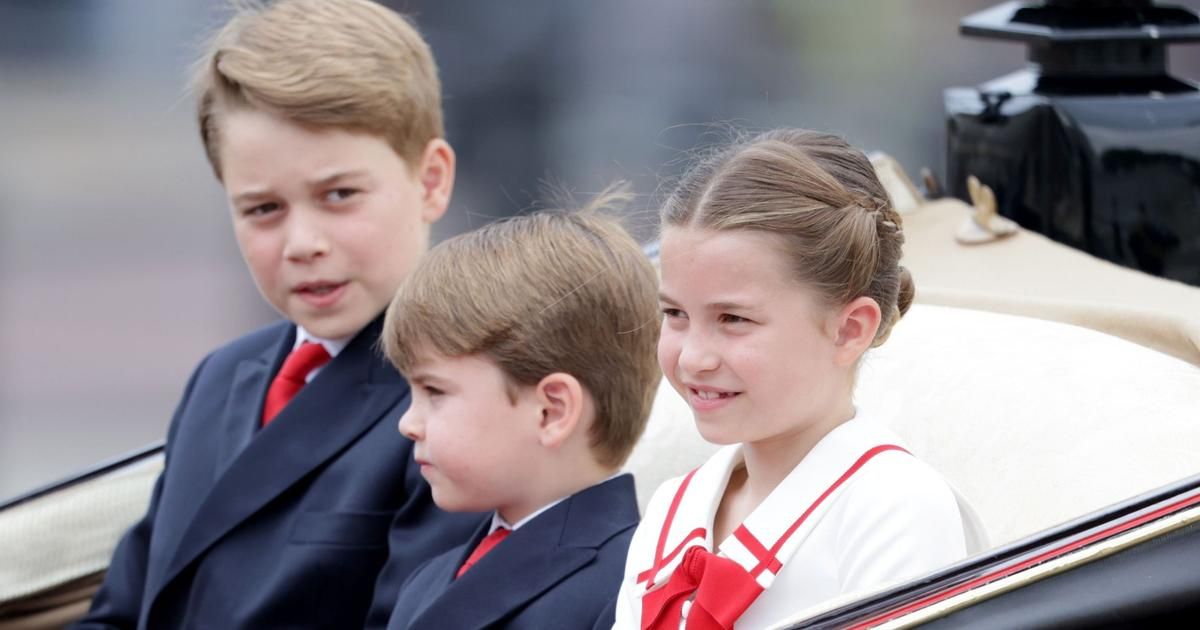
x=723 y=591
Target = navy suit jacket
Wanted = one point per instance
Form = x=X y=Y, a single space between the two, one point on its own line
x=284 y=527
x=560 y=570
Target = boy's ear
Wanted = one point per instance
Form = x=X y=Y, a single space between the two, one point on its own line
x=435 y=173
x=857 y=323
x=562 y=401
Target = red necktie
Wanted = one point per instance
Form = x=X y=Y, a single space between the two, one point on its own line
x=485 y=545
x=308 y=357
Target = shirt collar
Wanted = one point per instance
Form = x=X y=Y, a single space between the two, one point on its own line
x=332 y=346
x=498 y=521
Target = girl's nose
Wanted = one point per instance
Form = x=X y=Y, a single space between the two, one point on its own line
x=696 y=355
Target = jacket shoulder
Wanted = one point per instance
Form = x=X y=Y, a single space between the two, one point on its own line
x=249 y=345
x=256 y=341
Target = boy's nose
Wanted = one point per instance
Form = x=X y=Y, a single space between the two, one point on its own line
x=410 y=427
x=305 y=240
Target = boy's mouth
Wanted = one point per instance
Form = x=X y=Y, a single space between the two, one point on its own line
x=320 y=287
x=319 y=293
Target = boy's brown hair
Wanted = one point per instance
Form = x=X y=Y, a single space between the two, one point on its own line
x=549 y=292
x=344 y=64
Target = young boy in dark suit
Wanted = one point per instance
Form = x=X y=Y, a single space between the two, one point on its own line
x=530 y=345
x=286 y=486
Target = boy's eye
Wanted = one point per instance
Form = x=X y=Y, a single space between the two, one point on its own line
x=673 y=313
x=340 y=194
x=261 y=209
x=431 y=391
x=727 y=318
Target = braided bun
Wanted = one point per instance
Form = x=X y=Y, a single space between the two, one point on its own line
x=842 y=233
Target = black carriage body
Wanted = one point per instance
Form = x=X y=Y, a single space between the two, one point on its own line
x=1094 y=145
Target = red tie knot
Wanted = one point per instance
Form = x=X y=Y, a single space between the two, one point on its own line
x=290 y=379
x=308 y=357
x=485 y=545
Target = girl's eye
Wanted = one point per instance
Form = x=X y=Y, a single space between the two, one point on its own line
x=673 y=313
x=340 y=194
x=726 y=318
x=432 y=391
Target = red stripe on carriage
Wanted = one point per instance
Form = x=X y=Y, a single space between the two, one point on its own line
x=1004 y=572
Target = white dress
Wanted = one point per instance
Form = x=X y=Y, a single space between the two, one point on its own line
x=856 y=514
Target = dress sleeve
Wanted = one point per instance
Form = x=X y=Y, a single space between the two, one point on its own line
x=898 y=521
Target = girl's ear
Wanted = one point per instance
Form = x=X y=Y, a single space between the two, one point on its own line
x=561 y=398
x=435 y=173
x=856 y=323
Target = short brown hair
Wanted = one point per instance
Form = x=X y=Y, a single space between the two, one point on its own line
x=549 y=292
x=344 y=64
x=822 y=197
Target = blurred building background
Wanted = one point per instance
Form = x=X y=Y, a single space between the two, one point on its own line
x=117 y=263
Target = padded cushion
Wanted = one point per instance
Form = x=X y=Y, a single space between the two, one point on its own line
x=70 y=534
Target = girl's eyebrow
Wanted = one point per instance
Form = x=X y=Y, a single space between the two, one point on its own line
x=714 y=306
x=730 y=306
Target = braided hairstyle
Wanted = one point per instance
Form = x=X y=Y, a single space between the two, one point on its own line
x=822 y=197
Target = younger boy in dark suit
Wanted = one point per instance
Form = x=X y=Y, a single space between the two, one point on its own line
x=530 y=344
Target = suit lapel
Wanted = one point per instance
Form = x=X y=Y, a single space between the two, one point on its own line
x=240 y=421
x=345 y=400
x=539 y=555
x=442 y=571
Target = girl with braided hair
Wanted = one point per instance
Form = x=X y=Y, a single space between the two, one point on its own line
x=780 y=268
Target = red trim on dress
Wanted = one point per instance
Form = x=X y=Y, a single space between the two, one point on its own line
x=866 y=457
x=729 y=590
x=659 y=562
x=766 y=559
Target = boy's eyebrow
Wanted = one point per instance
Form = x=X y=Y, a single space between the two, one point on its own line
x=340 y=175
x=256 y=195
x=418 y=374
x=250 y=195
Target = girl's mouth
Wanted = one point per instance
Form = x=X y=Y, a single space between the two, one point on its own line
x=708 y=400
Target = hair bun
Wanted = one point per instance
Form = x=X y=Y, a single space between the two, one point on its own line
x=907 y=292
